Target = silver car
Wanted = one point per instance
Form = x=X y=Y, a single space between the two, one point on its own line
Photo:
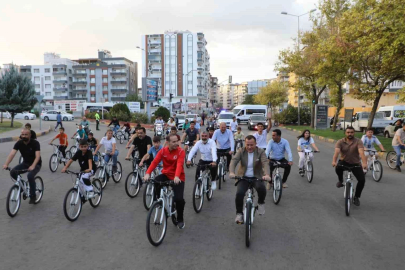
x=255 y=119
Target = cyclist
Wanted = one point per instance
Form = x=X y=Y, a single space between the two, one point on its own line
x=173 y=170
x=234 y=125
x=85 y=124
x=176 y=120
x=210 y=123
x=63 y=142
x=261 y=134
x=197 y=124
x=143 y=143
x=225 y=143
x=208 y=151
x=127 y=126
x=192 y=135
x=159 y=120
x=92 y=144
x=87 y=165
x=152 y=152
x=30 y=151
x=115 y=123
x=110 y=149
x=369 y=140
x=398 y=144
x=277 y=148
x=171 y=123
x=305 y=141
x=81 y=133
x=211 y=131
x=186 y=125
x=33 y=134
x=253 y=162
x=173 y=130
x=351 y=150
x=239 y=136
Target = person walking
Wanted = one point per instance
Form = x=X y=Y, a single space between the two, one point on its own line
x=97 y=120
x=58 y=121
x=203 y=118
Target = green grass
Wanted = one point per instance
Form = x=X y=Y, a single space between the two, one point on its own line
x=338 y=134
x=5 y=126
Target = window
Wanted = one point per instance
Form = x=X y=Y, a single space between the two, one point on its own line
x=399 y=113
x=47 y=70
x=47 y=86
x=93 y=95
x=70 y=71
x=105 y=72
x=92 y=80
x=396 y=97
x=252 y=111
x=105 y=96
x=92 y=88
x=105 y=80
x=92 y=72
x=387 y=114
x=37 y=86
x=47 y=94
x=36 y=79
x=36 y=70
x=105 y=88
x=47 y=78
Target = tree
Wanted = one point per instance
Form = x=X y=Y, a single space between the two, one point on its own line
x=121 y=111
x=249 y=100
x=374 y=32
x=17 y=93
x=164 y=112
x=276 y=93
x=134 y=98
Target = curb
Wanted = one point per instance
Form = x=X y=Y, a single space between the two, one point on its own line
x=321 y=138
x=16 y=138
x=106 y=122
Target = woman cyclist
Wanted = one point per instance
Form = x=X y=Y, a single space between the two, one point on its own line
x=305 y=141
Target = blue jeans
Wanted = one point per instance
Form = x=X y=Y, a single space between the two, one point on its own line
x=116 y=128
x=398 y=151
x=114 y=157
x=93 y=147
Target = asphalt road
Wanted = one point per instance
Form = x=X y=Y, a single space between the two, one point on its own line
x=307 y=230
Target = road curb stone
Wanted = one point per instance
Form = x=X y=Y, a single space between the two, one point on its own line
x=16 y=138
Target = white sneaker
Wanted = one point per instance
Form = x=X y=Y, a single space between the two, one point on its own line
x=261 y=209
x=213 y=185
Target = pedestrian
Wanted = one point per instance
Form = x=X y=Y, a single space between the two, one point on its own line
x=97 y=120
x=58 y=121
x=202 y=118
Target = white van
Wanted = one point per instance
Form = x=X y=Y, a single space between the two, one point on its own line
x=243 y=112
x=393 y=112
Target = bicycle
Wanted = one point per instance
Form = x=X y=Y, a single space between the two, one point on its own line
x=133 y=182
x=73 y=149
x=276 y=180
x=117 y=134
x=56 y=158
x=202 y=187
x=149 y=191
x=250 y=207
x=392 y=159
x=374 y=165
x=104 y=171
x=77 y=195
x=308 y=168
x=22 y=186
x=164 y=207
x=221 y=169
x=349 y=190
x=99 y=157
x=238 y=145
x=187 y=153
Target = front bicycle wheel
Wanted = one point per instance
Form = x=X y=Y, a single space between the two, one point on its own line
x=13 y=201
x=347 y=198
x=220 y=170
x=39 y=188
x=101 y=175
x=148 y=195
x=73 y=150
x=120 y=137
x=68 y=155
x=198 y=196
x=310 y=171
x=117 y=175
x=98 y=193
x=277 y=189
x=72 y=205
x=377 y=171
x=156 y=224
x=391 y=159
x=132 y=184
x=248 y=223
x=53 y=163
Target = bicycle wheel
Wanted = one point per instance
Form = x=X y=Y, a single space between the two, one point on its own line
x=68 y=155
x=210 y=192
x=391 y=159
x=72 y=205
x=73 y=150
x=98 y=193
x=185 y=160
x=198 y=196
x=310 y=171
x=277 y=189
x=220 y=169
x=101 y=175
x=377 y=171
x=156 y=224
x=13 y=201
x=116 y=176
x=347 y=198
x=53 y=163
x=248 y=223
x=120 y=137
x=148 y=195
x=39 y=188
x=132 y=184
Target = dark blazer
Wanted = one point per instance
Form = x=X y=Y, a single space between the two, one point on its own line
x=261 y=163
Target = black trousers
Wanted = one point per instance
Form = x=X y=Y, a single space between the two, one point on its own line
x=357 y=172
x=286 y=166
x=243 y=186
x=228 y=156
x=178 y=195
x=62 y=149
x=213 y=170
x=97 y=123
x=31 y=175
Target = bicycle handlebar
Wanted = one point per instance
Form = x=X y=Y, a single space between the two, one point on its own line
x=18 y=172
x=349 y=168
x=311 y=151
x=250 y=180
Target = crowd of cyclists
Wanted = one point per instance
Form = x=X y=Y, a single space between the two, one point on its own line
x=256 y=157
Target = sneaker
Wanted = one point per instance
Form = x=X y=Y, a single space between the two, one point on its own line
x=114 y=169
x=261 y=210
x=239 y=219
x=32 y=200
x=339 y=184
x=181 y=225
x=214 y=185
x=356 y=201
x=285 y=185
x=398 y=168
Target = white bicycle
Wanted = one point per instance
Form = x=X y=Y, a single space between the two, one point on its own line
x=374 y=165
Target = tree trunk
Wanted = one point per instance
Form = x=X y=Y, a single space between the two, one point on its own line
x=374 y=109
x=1 y=117
x=314 y=97
x=12 y=120
x=338 y=107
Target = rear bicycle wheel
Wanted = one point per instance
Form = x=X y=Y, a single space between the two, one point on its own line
x=101 y=175
x=391 y=159
x=116 y=176
x=310 y=171
x=120 y=137
x=132 y=184
x=156 y=224
x=98 y=193
x=377 y=171
x=220 y=170
x=68 y=155
x=73 y=150
x=248 y=223
x=277 y=189
x=72 y=205
x=148 y=195
x=13 y=201
x=198 y=196
x=209 y=190
x=39 y=188
x=53 y=163
x=347 y=198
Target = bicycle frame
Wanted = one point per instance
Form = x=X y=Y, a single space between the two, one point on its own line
x=22 y=184
x=371 y=158
x=204 y=179
x=349 y=180
x=166 y=198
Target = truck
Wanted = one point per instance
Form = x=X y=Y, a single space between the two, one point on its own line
x=360 y=122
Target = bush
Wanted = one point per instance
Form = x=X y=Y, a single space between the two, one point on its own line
x=120 y=111
x=141 y=118
x=152 y=119
x=162 y=111
x=92 y=115
x=71 y=112
x=290 y=115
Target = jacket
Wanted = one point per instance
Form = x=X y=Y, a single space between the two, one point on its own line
x=260 y=163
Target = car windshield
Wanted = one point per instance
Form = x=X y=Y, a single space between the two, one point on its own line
x=225 y=116
x=180 y=117
x=236 y=111
x=258 y=118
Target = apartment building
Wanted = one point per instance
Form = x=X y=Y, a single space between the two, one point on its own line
x=105 y=78
x=226 y=95
x=253 y=87
x=240 y=92
x=213 y=90
x=7 y=67
x=180 y=63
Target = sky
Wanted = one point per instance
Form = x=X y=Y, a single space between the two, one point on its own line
x=244 y=37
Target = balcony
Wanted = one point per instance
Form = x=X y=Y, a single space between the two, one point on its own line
x=117 y=98
x=60 y=89
x=155 y=41
x=117 y=81
x=80 y=82
x=152 y=61
x=154 y=53
x=119 y=90
x=61 y=80
x=79 y=74
x=200 y=60
x=59 y=72
x=60 y=97
x=200 y=77
x=118 y=73
x=80 y=90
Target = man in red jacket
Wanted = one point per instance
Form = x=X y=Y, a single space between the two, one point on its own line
x=173 y=170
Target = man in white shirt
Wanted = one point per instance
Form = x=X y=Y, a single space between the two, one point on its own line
x=261 y=134
x=225 y=142
x=234 y=125
x=208 y=151
x=110 y=149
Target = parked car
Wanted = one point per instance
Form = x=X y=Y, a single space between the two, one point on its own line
x=225 y=117
x=393 y=112
x=191 y=117
x=360 y=122
x=23 y=115
x=51 y=116
x=389 y=130
x=181 y=118
x=255 y=119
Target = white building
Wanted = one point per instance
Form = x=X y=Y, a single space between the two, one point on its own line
x=180 y=62
x=254 y=86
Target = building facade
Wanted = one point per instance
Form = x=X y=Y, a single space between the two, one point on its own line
x=240 y=92
x=253 y=87
x=180 y=63
x=213 y=90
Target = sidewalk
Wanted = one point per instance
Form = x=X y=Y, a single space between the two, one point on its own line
x=106 y=122
x=13 y=135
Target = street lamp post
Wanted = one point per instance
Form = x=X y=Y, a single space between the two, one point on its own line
x=298 y=49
